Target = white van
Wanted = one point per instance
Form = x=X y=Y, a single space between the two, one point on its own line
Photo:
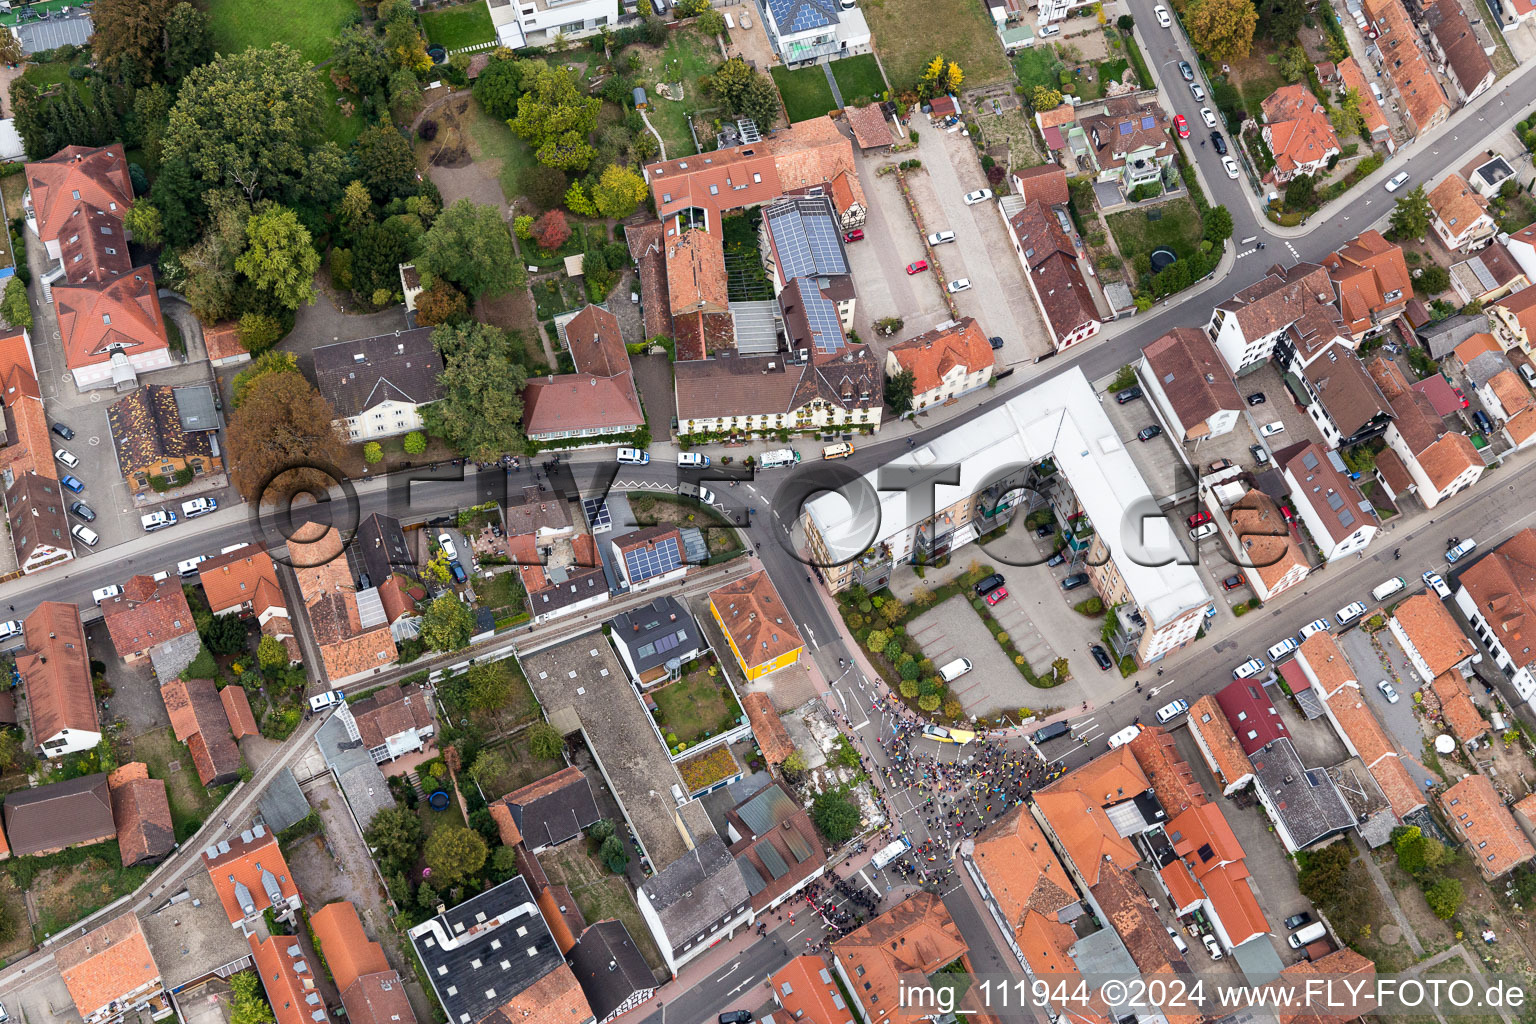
x=634 y=457
x=692 y=460
x=1350 y=612
x=1178 y=940
x=841 y=450
x=1124 y=736
x=153 y=521
x=1311 y=933
x=189 y=567
x=321 y=701
x=198 y=507
x=955 y=669
x=1283 y=648
x=1461 y=550
x=1389 y=588
x=779 y=458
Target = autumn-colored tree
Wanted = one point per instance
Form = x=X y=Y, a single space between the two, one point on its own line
x=551 y=231
x=1222 y=30
x=281 y=428
x=954 y=77
x=439 y=304
x=618 y=192
x=1045 y=98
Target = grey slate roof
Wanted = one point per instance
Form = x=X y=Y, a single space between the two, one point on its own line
x=552 y=810
x=608 y=967
x=284 y=803
x=1309 y=804
x=361 y=782
x=486 y=931
x=399 y=367
x=698 y=889
x=1442 y=337
x=59 y=815
x=1485 y=366
x=657 y=632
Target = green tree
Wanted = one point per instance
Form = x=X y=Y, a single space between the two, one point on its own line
x=711 y=22
x=259 y=332
x=129 y=37
x=395 y=836
x=1432 y=280
x=898 y=391
x=261 y=366
x=470 y=246
x=1222 y=30
x=14 y=307
x=246 y=1003
x=427 y=898
x=600 y=829
x=447 y=624
x=1301 y=192
x=835 y=816
x=545 y=741
x=489 y=765
x=546 y=186
x=1444 y=898
x=271 y=654
x=356 y=206
x=689 y=8
x=618 y=192
x=255 y=120
x=188 y=41
x=1044 y=98
x=1294 y=64
x=144 y=223
x=1410 y=215
x=1280 y=20
x=579 y=203
x=385 y=161
x=454 y=853
x=612 y=854
x=358 y=59
x=745 y=92
x=481 y=410
x=280 y=257
x=373 y=453
x=1326 y=874
x=486 y=686
x=499 y=87
x=1218 y=224
x=555 y=116
x=1346 y=117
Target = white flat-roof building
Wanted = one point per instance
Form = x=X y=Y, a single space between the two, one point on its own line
x=1050 y=446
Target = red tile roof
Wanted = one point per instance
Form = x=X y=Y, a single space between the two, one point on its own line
x=230 y=580
x=55 y=670
x=108 y=964
x=288 y=990
x=1251 y=714
x=123 y=313
x=806 y=990
x=246 y=863
x=147 y=613
x=198 y=719
x=1433 y=633
x=1346 y=966
x=1477 y=813
x=767 y=728
x=754 y=618
x=1046 y=184
x=1424 y=104
x=142 y=813
x=237 y=708
x=1172 y=780
x=870 y=128
x=1456 y=707
x=934 y=355
x=915 y=936
x=74 y=176
x=1352 y=77
x=555 y=998
x=378 y=999
x=1299 y=132
x=1021 y=869
x=348 y=951
x=1073 y=807
x=1219 y=743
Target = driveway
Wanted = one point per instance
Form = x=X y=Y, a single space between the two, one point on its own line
x=1399 y=718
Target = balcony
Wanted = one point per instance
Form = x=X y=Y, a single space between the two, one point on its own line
x=1079 y=532
x=1129 y=626
x=934 y=538
x=873 y=569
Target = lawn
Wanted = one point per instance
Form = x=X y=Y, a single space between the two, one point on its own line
x=599 y=894
x=1033 y=65
x=46 y=76
x=454 y=28
x=696 y=707
x=191 y=801
x=306 y=25
x=1091 y=88
x=1174 y=224
x=1255 y=77
x=519 y=707
x=908 y=34
x=502 y=592
x=74 y=883
x=859 y=78
x=339 y=126
x=686 y=58
x=495 y=141
x=805 y=91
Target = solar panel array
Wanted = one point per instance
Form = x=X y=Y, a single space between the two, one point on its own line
x=596 y=510
x=646 y=562
x=807 y=241
x=1126 y=127
x=1146 y=122
x=799 y=16
x=821 y=313
x=772 y=860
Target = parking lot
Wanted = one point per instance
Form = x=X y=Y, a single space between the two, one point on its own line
x=1399 y=718
x=999 y=298
x=1157 y=459
x=1278 y=405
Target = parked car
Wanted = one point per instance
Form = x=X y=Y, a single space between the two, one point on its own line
x=1181 y=126
x=1124 y=736
x=85 y=535
x=941 y=237
x=992 y=582
x=959 y=285
x=330 y=698
x=152 y=521
x=63 y=431
x=1283 y=648
x=1078 y=579
x=66 y=458
x=1249 y=668
x=1272 y=428
x=445 y=541
x=1187 y=71
x=692 y=460
x=996 y=343
x=10 y=629
x=736 y=1017
x=1285 y=511
x=1231 y=166
x=111 y=590
x=1203 y=516
x=1297 y=920
x=1220 y=464
x=1397 y=181
x=1056 y=559
x=198 y=507
x=1461 y=550
x=629 y=457
x=856 y=235
x=459 y=575
x=1212 y=946
x=1257 y=398
x=1260 y=455
x=189 y=567
x=1130 y=394
x=1232 y=582
x=1219 y=143
x=1436 y=582
x=997 y=595
x=1483 y=422
x=1349 y=613
x=1199 y=533
x=1529 y=373
x=1208 y=116
x=981 y=195
x=1388 y=691
x=1162 y=16
x=917 y=267
x=1101 y=657
x=1168 y=712
x=84 y=511
x=1197 y=92
x=1148 y=433
x=1315 y=626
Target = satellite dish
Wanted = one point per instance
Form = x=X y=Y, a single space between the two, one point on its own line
x=1444 y=744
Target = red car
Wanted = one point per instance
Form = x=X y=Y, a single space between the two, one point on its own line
x=1285 y=510
x=856 y=235
x=1462 y=398
x=917 y=267
x=997 y=595
x=1199 y=519
x=1182 y=125
x=1231 y=583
